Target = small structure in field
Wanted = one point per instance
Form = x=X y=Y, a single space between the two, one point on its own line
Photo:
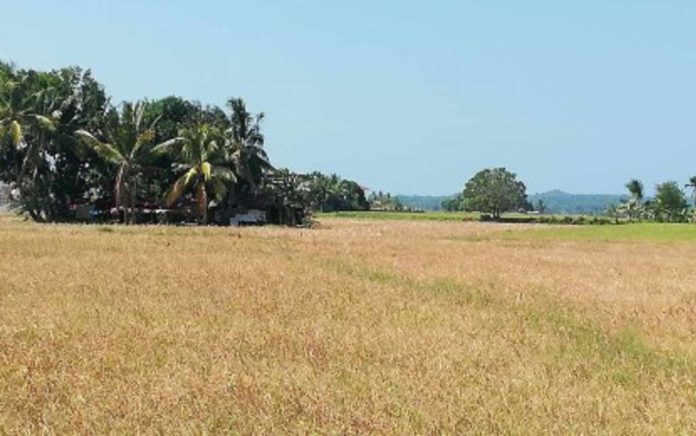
x=253 y=217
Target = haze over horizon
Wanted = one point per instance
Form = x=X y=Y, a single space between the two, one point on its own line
x=407 y=97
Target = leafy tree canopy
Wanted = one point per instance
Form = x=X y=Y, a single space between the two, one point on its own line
x=495 y=191
x=454 y=204
x=332 y=193
x=670 y=202
x=64 y=146
x=635 y=187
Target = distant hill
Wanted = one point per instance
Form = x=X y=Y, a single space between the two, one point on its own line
x=556 y=202
x=562 y=202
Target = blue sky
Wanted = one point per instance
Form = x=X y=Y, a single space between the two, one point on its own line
x=407 y=96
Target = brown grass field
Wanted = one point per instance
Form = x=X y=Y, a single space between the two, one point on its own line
x=355 y=327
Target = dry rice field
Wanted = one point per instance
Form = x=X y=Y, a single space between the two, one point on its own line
x=355 y=327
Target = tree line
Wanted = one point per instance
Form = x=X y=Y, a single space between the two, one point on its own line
x=66 y=149
x=495 y=191
x=64 y=146
x=669 y=204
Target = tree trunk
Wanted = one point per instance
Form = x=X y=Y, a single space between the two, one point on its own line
x=202 y=203
x=119 y=193
x=132 y=193
x=29 y=162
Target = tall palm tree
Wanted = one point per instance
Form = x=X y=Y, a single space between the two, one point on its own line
x=244 y=143
x=201 y=156
x=23 y=108
x=129 y=147
x=635 y=187
x=633 y=206
x=326 y=189
x=13 y=109
x=692 y=185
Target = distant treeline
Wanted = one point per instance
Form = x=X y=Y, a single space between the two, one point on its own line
x=423 y=202
x=556 y=202
x=560 y=202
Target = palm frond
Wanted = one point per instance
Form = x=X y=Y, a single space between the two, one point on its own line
x=16 y=132
x=45 y=122
x=206 y=170
x=107 y=151
x=178 y=188
x=155 y=121
x=138 y=111
x=224 y=174
x=142 y=138
x=219 y=188
x=167 y=146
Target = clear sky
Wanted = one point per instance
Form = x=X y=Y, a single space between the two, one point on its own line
x=406 y=96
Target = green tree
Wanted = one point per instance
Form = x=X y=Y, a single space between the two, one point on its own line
x=288 y=197
x=352 y=197
x=128 y=146
x=204 y=161
x=28 y=101
x=244 y=143
x=39 y=156
x=670 y=202
x=453 y=204
x=174 y=114
x=332 y=193
x=635 y=187
x=633 y=206
x=494 y=191
x=64 y=145
x=692 y=185
x=23 y=106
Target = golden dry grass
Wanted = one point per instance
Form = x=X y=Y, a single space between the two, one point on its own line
x=354 y=327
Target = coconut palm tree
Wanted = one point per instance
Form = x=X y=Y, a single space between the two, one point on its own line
x=633 y=206
x=203 y=159
x=13 y=112
x=326 y=189
x=128 y=147
x=635 y=187
x=39 y=112
x=244 y=144
x=14 y=107
x=692 y=185
x=24 y=108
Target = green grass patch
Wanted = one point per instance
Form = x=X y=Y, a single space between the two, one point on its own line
x=511 y=217
x=409 y=216
x=626 y=232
